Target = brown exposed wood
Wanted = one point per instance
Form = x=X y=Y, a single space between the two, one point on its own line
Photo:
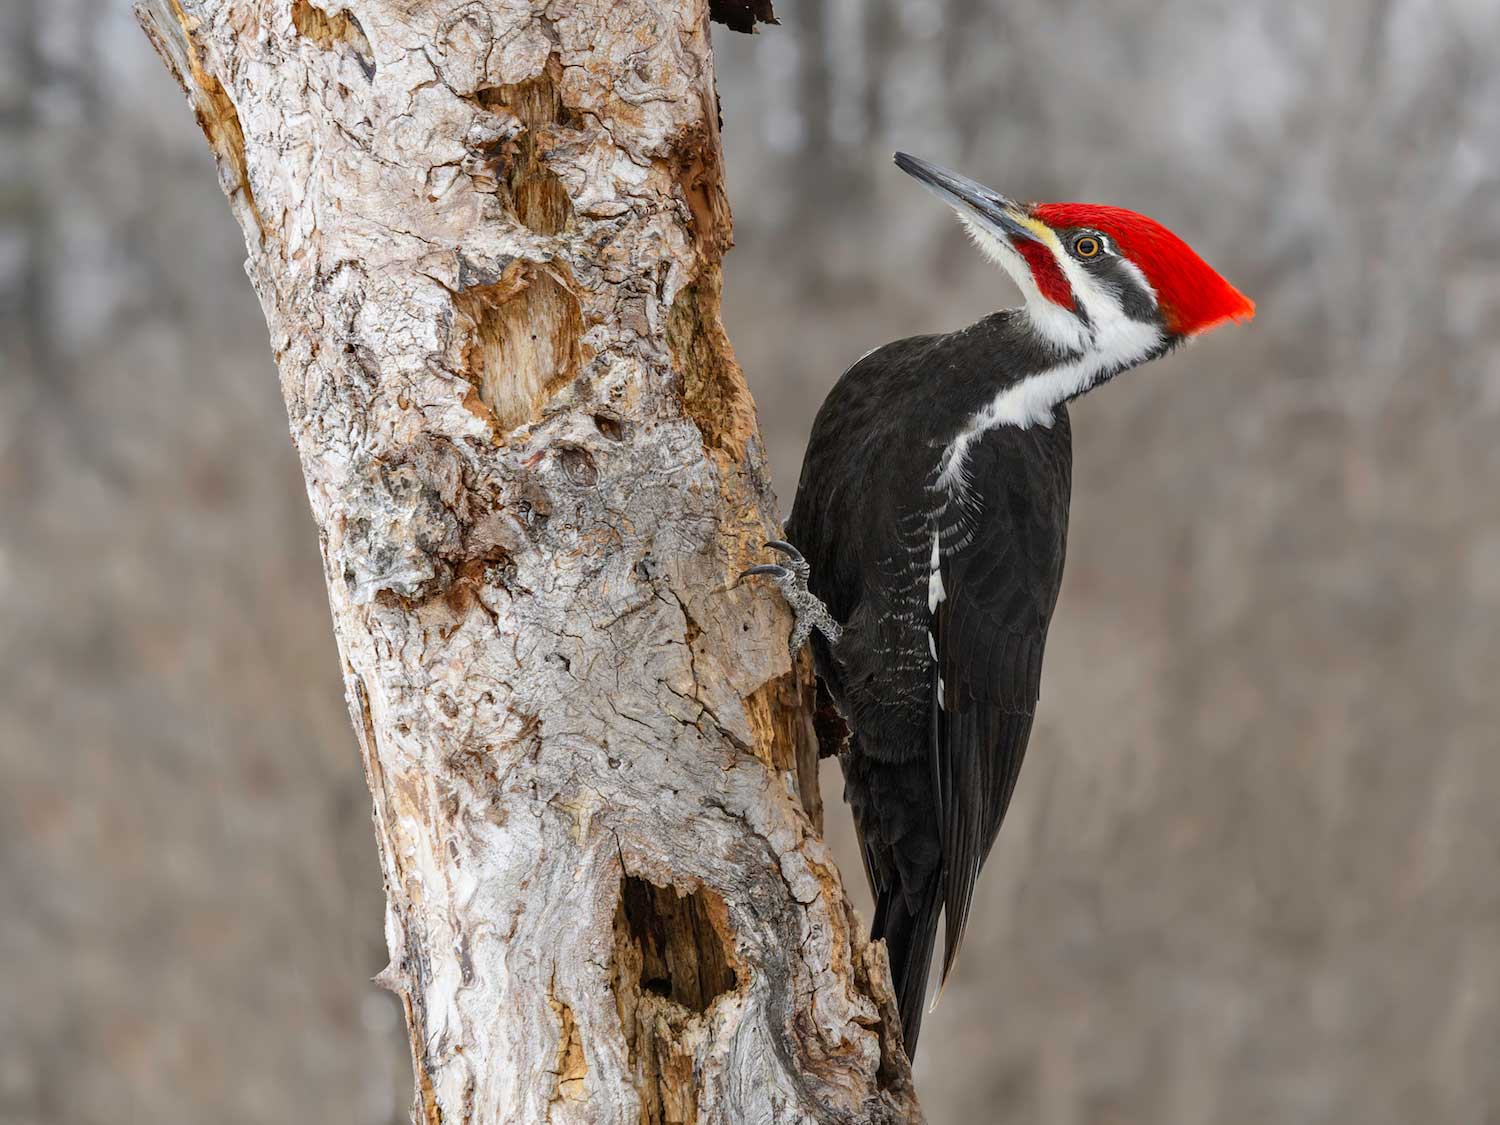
x=333 y=31
x=212 y=107
x=521 y=341
x=533 y=190
x=713 y=392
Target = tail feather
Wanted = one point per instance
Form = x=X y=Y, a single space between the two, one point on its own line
x=910 y=935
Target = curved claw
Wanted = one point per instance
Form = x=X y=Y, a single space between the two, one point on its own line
x=786 y=549
x=763 y=568
x=808 y=610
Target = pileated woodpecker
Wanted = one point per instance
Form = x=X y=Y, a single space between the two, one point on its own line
x=931 y=519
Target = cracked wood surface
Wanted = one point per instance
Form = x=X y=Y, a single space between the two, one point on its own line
x=486 y=238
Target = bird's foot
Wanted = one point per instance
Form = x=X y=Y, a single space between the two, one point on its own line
x=807 y=608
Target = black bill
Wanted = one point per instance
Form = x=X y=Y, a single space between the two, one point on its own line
x=996 y=211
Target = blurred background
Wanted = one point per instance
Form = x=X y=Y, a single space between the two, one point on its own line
x=1252 y=872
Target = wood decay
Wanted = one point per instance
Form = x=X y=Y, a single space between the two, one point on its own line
x=487 y=242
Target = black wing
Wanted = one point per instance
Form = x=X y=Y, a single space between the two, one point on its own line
x=999 y=587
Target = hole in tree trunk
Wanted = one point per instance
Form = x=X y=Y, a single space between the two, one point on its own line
x=682 y=939
x=533 y=190
x=673 y=955
x=519 y=342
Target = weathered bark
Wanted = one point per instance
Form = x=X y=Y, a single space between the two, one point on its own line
x=486 y=238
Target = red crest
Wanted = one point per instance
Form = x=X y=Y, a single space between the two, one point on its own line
x=1192 y=296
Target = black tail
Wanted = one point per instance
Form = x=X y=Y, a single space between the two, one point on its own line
x=909 y=926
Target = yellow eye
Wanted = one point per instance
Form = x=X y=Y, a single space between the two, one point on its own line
x=1086 y=246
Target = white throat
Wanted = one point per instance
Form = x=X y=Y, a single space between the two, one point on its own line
x=1032 y=401
x=1089 y=351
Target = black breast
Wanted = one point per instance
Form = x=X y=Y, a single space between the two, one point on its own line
x=879 y=436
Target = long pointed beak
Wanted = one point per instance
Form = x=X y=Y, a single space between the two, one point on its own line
x=995 y=211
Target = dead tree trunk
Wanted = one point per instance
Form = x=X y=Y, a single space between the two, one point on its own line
x=487 y=238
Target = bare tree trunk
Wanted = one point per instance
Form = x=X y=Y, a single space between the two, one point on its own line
x=486 y=238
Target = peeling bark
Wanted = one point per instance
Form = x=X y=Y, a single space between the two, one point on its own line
x=487 y=240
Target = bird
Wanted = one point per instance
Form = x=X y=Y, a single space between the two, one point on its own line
x=924 y=551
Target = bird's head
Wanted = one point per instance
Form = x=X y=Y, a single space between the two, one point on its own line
x=1096 y=279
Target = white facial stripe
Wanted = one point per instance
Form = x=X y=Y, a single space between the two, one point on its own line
x=1140 y=279
x=1103 y=307
x=1111 y=341
x=1031 y=401
x=1057 y=325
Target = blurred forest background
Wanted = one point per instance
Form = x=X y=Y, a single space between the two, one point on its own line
x=1252 y=872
